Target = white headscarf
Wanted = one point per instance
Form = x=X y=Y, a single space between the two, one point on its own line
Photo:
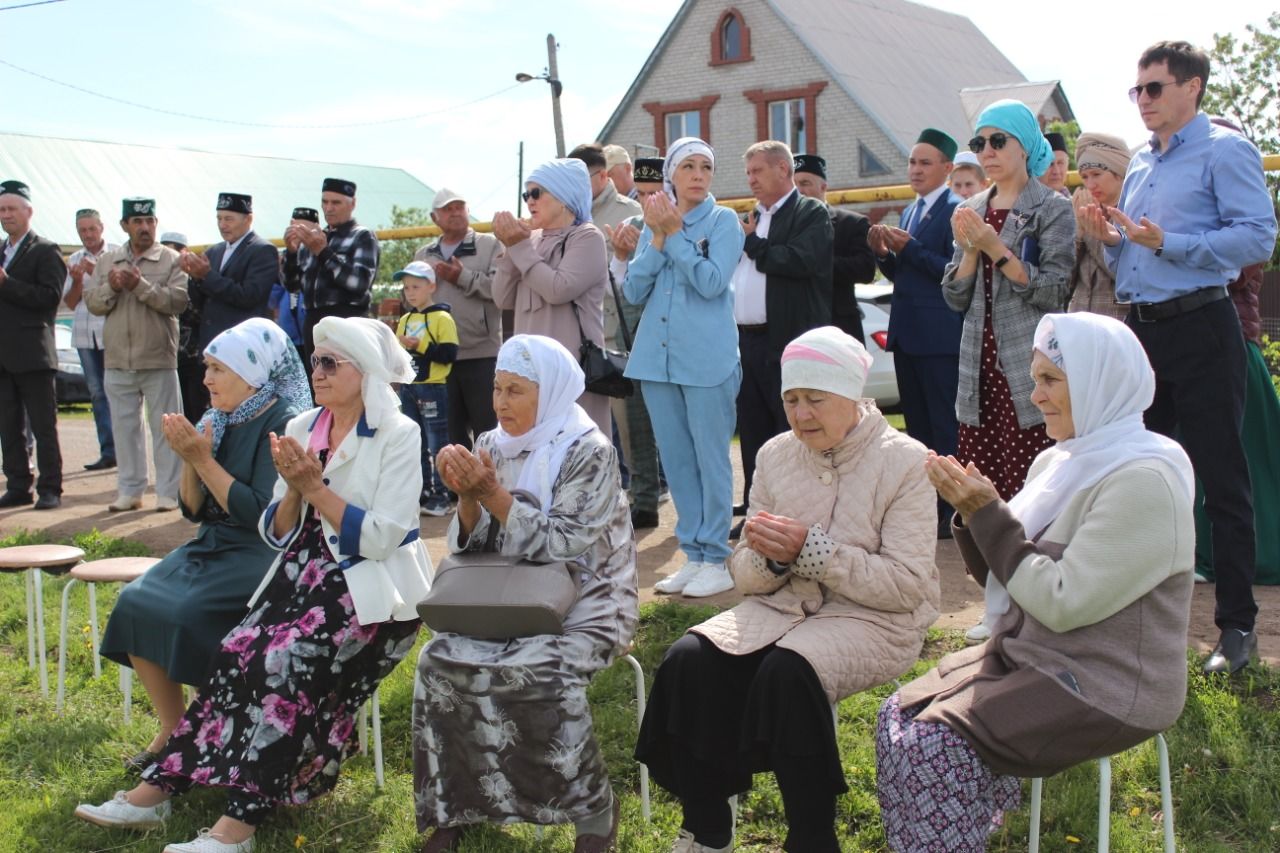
x=560 y=420
x=826 y=359
x=1111 y=384
x=680 y=150
x=373 y=348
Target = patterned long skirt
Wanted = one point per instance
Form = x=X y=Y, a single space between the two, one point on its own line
x=275 y=718
x=936 y=794
x=502 y=731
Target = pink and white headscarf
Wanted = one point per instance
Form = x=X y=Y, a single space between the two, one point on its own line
x=826 y=359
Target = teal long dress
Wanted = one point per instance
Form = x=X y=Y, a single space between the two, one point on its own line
x=178 y=612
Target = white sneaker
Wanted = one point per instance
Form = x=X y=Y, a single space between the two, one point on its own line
x=1199 y=578
x=204 y=842
x=979 y=633
x=124 y=503
x=686 y=844
x=712 y=580
x=673 y=584
x=119 y=813
x=164 y=504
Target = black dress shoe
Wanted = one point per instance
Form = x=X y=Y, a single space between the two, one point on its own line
x=101 y=465
x=1234 y=651
x=740 y=509
x=12 y=498
x=643 y=519
x=736 y=532
x=48 y=502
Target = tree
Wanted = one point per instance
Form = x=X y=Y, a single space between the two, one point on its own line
x=1241 y=88
x=1070 y=130
x=396 y=254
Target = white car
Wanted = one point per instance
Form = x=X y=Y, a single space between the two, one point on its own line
x=882 y=382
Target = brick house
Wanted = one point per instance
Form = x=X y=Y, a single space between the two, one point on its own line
x=852 y=80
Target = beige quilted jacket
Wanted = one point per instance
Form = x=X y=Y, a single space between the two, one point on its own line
x=857 y=601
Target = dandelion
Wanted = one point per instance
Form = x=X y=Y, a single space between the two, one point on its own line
x=299 y=841
x=1071 y=839
x=1135 y=811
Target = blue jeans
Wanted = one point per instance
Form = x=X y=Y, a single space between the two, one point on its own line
x=93 y=363
x=427 y=405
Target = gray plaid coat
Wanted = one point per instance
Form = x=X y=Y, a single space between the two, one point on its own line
x=1042 y=218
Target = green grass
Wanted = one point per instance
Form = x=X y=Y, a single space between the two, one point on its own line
x=1225 y=752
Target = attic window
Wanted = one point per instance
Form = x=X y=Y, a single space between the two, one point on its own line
x=869 y=165
x=731 y=39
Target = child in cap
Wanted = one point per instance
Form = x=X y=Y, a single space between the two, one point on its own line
x=428 y=332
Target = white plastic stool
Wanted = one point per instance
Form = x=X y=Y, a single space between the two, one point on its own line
x=31 y=559
x=113 y=570
x=1104 y=803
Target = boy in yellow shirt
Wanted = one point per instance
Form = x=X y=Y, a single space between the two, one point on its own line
x=428 y=332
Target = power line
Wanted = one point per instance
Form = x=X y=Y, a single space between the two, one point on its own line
x=26 y=5
x=236 y=122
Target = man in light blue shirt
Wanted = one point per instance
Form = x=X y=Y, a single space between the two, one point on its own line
x=1195 y=210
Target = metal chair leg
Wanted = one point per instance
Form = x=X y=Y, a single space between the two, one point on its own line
x=126 y=687
x=1104 y=805
x=1033 y=842
x=640 y=705
x=29 y=586
x=93 y=630
x=62 y=645
x=41 y=647
x=1166 y=794
x=362 y=728
x=377 y=740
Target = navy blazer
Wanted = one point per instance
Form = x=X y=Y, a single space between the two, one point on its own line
x=241 y=291
x=920 y=321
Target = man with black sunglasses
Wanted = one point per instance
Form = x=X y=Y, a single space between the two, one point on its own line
x=1194 y=210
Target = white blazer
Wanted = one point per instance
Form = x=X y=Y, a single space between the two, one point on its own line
x=378 y=472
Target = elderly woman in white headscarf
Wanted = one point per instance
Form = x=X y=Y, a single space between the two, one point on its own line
x=836 y=561
x=686 y=356
x=169 y=623
x=331 y=619
x=502 y=731
x=1093 y=559
x=554 y=272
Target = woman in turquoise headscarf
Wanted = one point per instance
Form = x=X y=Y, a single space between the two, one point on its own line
x=170 y=622
x=554 y=272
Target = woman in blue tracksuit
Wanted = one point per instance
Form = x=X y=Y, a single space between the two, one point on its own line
x=686 y=356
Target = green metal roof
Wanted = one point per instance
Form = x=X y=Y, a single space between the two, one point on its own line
x=66 y=175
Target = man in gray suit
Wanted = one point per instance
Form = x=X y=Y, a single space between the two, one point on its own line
x=31 y=276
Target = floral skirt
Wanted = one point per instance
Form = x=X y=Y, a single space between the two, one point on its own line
x=274 y=720
x=936 y=794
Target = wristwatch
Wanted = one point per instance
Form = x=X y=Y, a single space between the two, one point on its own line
x=1160 y=249
x=1008 y=256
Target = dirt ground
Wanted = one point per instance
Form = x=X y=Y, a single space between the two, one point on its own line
x=86 y=495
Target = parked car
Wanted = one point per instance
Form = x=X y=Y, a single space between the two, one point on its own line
x=71 y=386
x=882 y=381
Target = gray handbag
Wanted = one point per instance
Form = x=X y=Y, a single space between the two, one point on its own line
x=494 y=596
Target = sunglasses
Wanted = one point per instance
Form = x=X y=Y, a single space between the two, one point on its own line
x=326 y=365
x=997 y=140
x=533 y=194
x=1153 y=89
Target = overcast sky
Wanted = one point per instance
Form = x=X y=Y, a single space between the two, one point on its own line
x=303 y=63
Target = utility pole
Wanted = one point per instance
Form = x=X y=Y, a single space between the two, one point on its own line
x=554 y=80
x=520 y=183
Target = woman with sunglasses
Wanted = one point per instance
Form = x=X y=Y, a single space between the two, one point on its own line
x=554 y=271
x=1014 y=251
x=168 y=624
x=332 y=618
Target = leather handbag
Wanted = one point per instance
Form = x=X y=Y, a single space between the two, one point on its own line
x=602 y=368
x=494 y=596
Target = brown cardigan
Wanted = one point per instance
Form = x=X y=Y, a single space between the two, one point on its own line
x=1090 y=659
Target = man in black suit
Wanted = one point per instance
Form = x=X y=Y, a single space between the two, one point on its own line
x=782 y=288
x=230 y=282
x=853 y=262
x=31 y=277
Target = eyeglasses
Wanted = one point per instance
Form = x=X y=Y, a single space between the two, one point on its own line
x=533 y=194
x=326 y=364
x=997 y=140
x=1153 y=89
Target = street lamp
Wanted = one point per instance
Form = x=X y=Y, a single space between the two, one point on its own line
x=552 y=78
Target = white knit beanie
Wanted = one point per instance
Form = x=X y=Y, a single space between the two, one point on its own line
x=826 y=359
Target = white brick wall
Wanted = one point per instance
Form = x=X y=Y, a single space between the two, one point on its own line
x=781 y=61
